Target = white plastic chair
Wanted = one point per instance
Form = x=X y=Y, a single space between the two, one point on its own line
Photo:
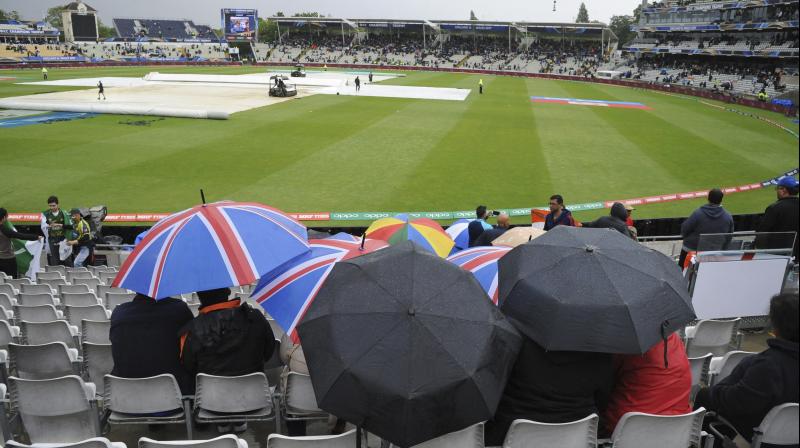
x=722 y=367
x=37 y=333
x=42 y=313
x=226 y=441
x=73 y=275
x=58 y=410
x=95 y=331
x=18 y=282
x=53 y=275
x=37 y=299
x=96 y=442
x=91 y=282
x=779 y=427
x=75 y=314
x=36 y=289
x=114 y=299
x=469 y=437
x=8 y=290
x=711 y=336
x=42 y=361
x=700 y=367
x=529 y=434
x=80 y=299
x=97 y=363
x=57 y=268
x=73 y=289
x=225 y=399
x=54 y=284
x=346 y=440
x=136 y=400
x=298 y=402
x=638 y=430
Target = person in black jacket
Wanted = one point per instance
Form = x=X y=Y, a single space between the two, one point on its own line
x=781 y=216
x=226 y=339
x=763 y=381
x=8 y=259
x=551 y=387
x=615 y=220
x=145 y=339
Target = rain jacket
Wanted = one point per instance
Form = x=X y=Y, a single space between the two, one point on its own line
x=227 y=339
x=759 y=383
x=551 y=387
x=644 y=384
x=615 y=220
x=565 y=219
x=707 y=219
x=780 y=216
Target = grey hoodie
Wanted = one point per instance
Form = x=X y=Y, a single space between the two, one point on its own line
x=710 y=218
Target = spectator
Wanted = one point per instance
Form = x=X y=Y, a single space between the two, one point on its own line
x=83 y=242
x=503 y=224
x=781 y=216
x=629 y=220
x=8 y=260
x=478 y=226
x=559 y=215
x=763 y=381
x=551 y=387
x=708 y=219
x=55 y=223
x=657 y=382
x=144 y=339
x=614 y=220
x=227 y=339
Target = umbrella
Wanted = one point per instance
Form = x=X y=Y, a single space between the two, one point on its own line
x=286 y=296
x=593 y=290
x=427 y=233
x=212 y=246
x=459 y=232
x=517 y=235
x=342 y=236
x=482 y=262
x=405 y=345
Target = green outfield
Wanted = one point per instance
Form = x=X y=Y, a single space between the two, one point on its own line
x=344 y=153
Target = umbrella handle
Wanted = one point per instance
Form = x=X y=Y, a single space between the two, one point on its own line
x=202 y=196
x=358 y=436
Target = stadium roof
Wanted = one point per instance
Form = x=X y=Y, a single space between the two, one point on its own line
x=333 y=20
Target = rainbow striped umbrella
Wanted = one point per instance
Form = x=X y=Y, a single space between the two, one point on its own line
x=482 y=262
x=287 y=295
x=427 y=233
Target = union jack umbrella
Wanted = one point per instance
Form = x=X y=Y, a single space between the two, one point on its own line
x=287 y=296
x=482 y=262
x=212 y=246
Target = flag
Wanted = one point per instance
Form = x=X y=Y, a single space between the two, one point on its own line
x=28 y=254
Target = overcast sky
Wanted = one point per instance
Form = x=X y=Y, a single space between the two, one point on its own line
x=206 y=12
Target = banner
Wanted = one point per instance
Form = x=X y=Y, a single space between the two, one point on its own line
x=27 y=254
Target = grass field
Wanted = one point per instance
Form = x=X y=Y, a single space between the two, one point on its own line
x=344 y=153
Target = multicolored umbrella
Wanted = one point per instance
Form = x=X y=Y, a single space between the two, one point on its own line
x=212 y=246
x=482 y=262
x=427 y=233
x=459 y=232
x=287 y=296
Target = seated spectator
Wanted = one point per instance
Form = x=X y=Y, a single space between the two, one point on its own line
x=559 y=215
x=614 y=220
x=657 y=382
x=763 y=381
x=226 y=339
x=144 y=339
x=503 y=224
x=551 y=387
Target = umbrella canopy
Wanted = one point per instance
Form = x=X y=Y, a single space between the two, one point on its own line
x=518 y=235
x=342 y=236
x=482 y=262
x=212 y=246
x=427 y=233
x=286 y=296
x=593 y=290
x=405 y=345
x=459 y=233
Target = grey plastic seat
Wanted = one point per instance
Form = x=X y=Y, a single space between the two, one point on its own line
x=95 y=331
x=57 y=268
x=102 y=290
x=8 y=290
x=221 y=399
x=54 y=284
x=9 y=334
x=72 y=289
x=226 y=441
x=37 y=299
x=18 y=282
x=42 y=313
x=92 y=283
x=75 y=314
x=37 y=333
x=95 y=442
x=529 y=434
x=97 y=363
x=722 y=367
x=711 y=336
x=80 y=299
x=346 y=440
x=42 y=361
x=59 y=410
x=779 y=427
x=114 y=299
x=134 y=400
x=469 y=437
x=36 y=289
x=700 y=369
x=298 y=401
x=637 y=430
x=51 y=275
x=72 y=276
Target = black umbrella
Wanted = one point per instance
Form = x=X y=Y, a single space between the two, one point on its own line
x=407 y=345
x=592 y=290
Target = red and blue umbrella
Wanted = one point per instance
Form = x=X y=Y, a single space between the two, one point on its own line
x=212 y=246
x=287 y=296
x=459 y=232
x=482 y=262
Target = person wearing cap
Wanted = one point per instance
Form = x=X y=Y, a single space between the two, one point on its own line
x=629 y=221
x=227 y=338
x=780 y=216
x=82 y=238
